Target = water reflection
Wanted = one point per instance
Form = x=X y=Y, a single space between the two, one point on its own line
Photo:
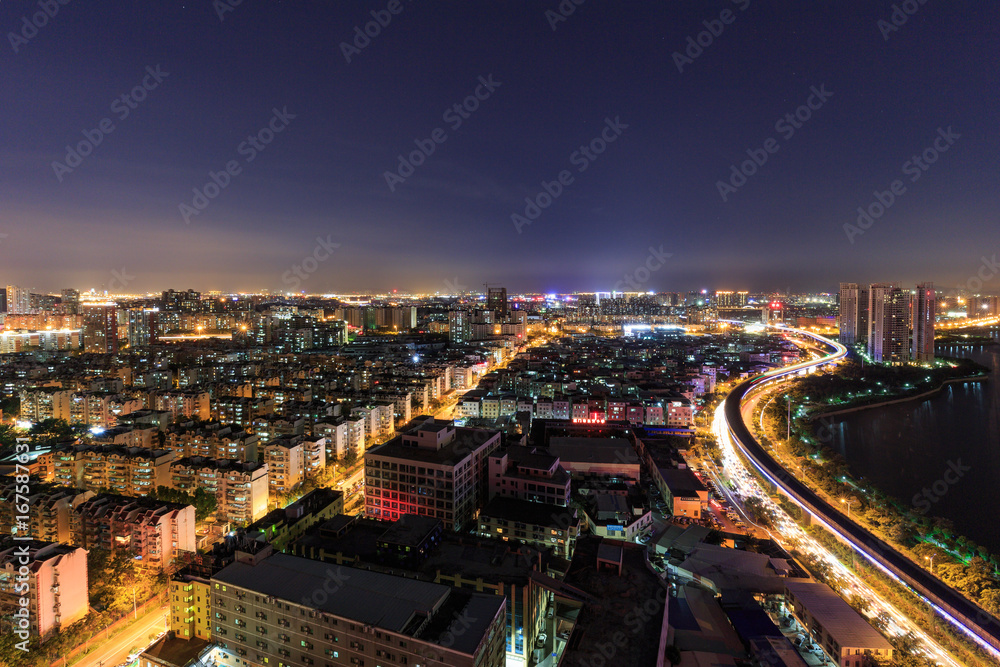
x=906 y=448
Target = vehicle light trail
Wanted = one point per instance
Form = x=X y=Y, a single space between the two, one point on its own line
x=735 y=440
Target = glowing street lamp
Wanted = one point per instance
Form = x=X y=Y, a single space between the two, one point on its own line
x=850 y=502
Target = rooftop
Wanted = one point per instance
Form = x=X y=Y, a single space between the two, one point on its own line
x=593 y=450
x=460 y=447
x=682 y=482
x=539 y=514
x=410 y=530
x=382 y=600
x=847 y=626
x=176 y=651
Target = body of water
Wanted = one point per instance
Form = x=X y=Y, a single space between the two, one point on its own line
x=948 y=444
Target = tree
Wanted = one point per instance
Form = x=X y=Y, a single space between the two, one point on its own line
x=755 y=508
x=204 y=503
x=990 y=600
x=53 y=430
x=901 y=532
x=10 y=405
x=8 y=435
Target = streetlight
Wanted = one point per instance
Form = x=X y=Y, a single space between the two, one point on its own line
x=788 y=419
x=931 y=559
x=848 y=503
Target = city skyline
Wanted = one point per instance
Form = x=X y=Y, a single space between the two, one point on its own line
x=499 y=334
x=745 y=159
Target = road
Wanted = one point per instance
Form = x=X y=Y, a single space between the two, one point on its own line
x=732 y=433
x=447 y=412
x=347 y=487
x=970 y=323
x=116 y=650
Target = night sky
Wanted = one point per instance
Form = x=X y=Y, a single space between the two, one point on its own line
x=116 y=217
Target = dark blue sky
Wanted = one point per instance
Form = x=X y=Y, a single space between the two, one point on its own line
x=655 y=185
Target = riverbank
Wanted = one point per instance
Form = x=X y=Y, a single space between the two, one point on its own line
x=894 y=401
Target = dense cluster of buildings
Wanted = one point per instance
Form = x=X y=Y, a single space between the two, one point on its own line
x=516 y=504
x=893 y=325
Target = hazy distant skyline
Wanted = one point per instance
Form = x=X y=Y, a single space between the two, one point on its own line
x=209 y=83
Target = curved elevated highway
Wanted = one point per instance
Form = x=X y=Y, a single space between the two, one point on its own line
x=952 y=606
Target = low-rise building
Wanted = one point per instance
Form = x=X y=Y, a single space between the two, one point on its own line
x=191 y=607
x=842 y=632
x=597 y=458
x=683 y=492
x=544 y=526
x=128 y=471
x=50 y=511
x=285 y=465
x=283 y=525
x=213 y=441
x=187 y=403
x=528 y=473
x=521 y=573
x=43 y=403
x=616 y=515
x=282 y=609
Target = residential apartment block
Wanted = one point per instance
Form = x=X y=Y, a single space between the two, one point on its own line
x=281 y=609
x=56 y=585
x=155 y=533
x=527 y=473
x=433 y=469
x=240 y=488
x=128 y=471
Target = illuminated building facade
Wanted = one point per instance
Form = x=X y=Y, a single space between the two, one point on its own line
x=100 y=328
x=924 y=311
x=154 y=533
x=273 y=608
x=434 y=469
x=142 y=327
x=888 y=324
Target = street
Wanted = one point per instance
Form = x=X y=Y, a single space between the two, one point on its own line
x=730 y=425
x=115 y=650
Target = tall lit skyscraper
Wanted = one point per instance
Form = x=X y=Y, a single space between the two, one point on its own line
x=853 y=319
x=496 y=300
x=728 y=299
x=924 y=309
x=864 y=312
x=18 y=300
x=142 y=327
x=848 y=320
x=888 y=324
x=100 y=328
x=459 y=326
x=71 y=301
